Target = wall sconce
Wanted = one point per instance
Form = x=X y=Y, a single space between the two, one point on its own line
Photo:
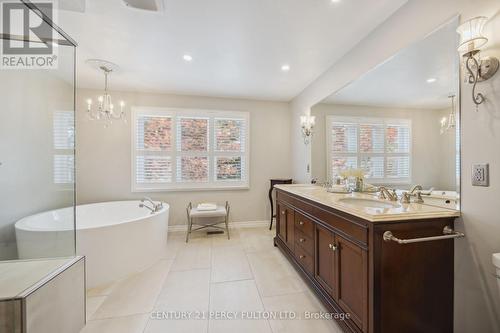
x=478 y=70
x=307 y=124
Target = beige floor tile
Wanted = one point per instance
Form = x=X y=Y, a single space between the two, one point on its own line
x=193 y=255
x=136 y=294
x=185 y=291
x=104 y=290
x=239 y=326
x=256 y=240
x=235 y=296
x=93 y=303
x=273 y=274
x=299 y=304
x=230 y=264
x=176 y=326
x=128 y=324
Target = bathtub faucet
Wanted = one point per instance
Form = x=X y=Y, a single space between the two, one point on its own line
x=155 y=208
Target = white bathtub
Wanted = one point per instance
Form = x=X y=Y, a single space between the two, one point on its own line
x=118 y=238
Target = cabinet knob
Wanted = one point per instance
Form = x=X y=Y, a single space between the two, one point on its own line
x=332 y=246
x=302 y=240
x=282 y=212
x=301 y=223
x=302 y=256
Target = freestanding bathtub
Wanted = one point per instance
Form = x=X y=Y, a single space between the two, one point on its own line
x=117 y=238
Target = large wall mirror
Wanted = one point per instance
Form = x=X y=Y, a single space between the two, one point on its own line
x=398 y=123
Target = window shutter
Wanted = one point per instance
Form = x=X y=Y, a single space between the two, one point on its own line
x=64 y=169
x=153 y=145
x=189 y=149
x=380 y=146
x=344 y=138
x=154 y=133
x=193 y=144
x=63 y=131
x=192 y=134
x=398 y=138
x=230 y=145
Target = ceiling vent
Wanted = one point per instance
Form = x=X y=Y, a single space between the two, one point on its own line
x=147 y=5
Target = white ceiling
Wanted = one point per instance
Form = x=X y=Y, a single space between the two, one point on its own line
x=402 y=80
x=238 y=46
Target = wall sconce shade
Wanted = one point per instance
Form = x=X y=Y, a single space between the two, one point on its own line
x=307 y=123
x=471 y=35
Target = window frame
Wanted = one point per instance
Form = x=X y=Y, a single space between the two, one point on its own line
x=211 y=184
x=358 y=120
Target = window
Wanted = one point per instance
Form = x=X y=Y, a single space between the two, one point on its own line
x=189 y=149
x=64 y=143
x=382 y=147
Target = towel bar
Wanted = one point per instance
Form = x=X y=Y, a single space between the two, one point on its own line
x=447 y=234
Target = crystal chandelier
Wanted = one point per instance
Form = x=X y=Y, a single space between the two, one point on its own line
x=105 y=109
x=449 y=123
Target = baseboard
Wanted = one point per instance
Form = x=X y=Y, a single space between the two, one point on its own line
x=232 y=225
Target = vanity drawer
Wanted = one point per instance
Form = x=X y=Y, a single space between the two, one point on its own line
x=306 y=243
x=305 y=225
x=304 y=258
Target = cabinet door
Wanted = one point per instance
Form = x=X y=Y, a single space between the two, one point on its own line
x=324 y=268
x=290 y=228
x=281 y=222
x=352 y=280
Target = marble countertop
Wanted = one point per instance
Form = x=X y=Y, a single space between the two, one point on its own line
x=16 y=276
x=400 y=211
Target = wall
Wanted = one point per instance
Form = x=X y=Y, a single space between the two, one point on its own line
x=29 y=98
x=477 y=300
x=430 y=150
x=104 y=156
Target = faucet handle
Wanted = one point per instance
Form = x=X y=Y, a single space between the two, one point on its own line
x=405 y=197
x=419 y=199
x=381 y=194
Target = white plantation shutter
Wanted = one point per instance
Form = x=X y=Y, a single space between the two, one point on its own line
x=63 y=133
x=382 y=147
x=153 y=147
x=230 y=149
x=193 y=149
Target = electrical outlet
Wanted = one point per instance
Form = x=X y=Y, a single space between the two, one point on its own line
x=480 y=175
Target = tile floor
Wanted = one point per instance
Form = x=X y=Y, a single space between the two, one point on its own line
x=210 y=274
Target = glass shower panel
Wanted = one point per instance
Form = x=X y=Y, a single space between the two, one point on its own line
x=37 y=139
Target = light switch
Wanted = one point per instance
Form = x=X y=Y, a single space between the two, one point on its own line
x=480 y=175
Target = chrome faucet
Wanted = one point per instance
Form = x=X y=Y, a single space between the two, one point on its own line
x=146 y=206
x=386 y=194
x=417 y=192
x=155 y=208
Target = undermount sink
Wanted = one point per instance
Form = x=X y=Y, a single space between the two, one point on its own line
x=368 y=203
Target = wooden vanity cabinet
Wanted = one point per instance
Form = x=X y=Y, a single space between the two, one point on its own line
x=285 y=224
x=385 y=287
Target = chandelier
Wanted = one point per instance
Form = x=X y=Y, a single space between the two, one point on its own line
x=105 y=109
x=449 y=123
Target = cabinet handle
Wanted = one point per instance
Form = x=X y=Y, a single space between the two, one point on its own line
x=301 y=223
x=333 y=247
x=302 y=240
x=302 y=256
